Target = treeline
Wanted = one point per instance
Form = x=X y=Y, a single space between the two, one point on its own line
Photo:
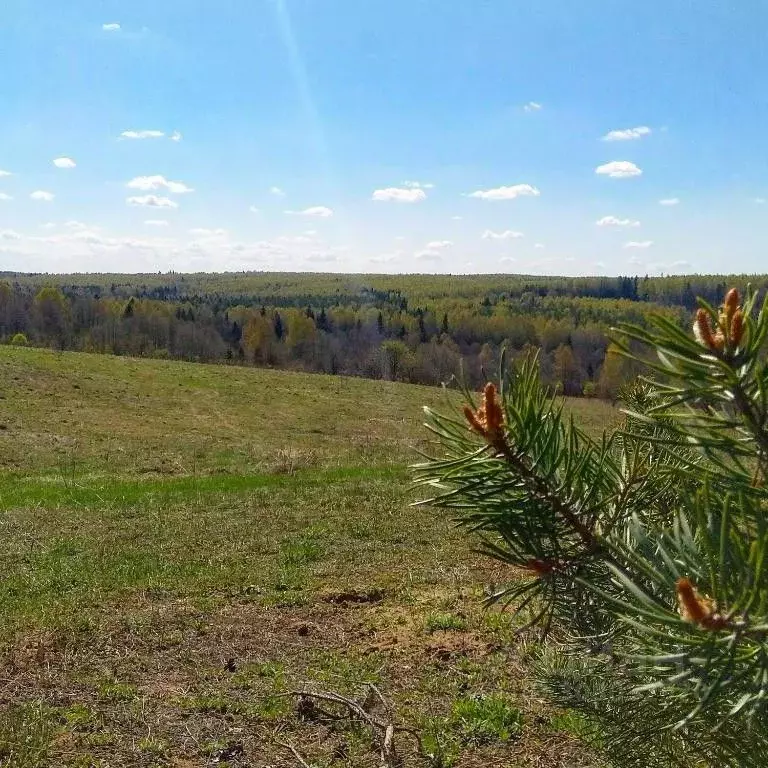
x=415 y=328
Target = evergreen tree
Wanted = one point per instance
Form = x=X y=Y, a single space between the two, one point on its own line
x=322 y=321
x=643 y=557
x=422 y=328
x=278 y=327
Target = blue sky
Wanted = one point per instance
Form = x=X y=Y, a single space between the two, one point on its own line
x=384 y=136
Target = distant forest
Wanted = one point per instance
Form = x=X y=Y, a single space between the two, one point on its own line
x=415 y=328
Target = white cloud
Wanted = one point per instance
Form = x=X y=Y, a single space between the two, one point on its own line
x=760 y=200
x=175 y=136
x=142 y=134
x=113 y=27
x=319 y=211
x=613 y=221
x=41 y=194
x=618 y=169
x=5 y=196
x=670 y=201
x=427 y=255
x=456 y=218
x=532 y=106
x=150 y=183
x=204 y=232
x=64 y=162
x=628 y=134
x=418 y=185
x=5 y=173
x=507 y=234
x=506 y=193
x=437 y=245
x=638 y=244
x=680 y=265
x=152 y=201
x=156 y=223
x=399 y=195
x=9 y=234
x=75 y=225
x=276 y=191
x=507 y=259
x=636 y=260
x=254 y=209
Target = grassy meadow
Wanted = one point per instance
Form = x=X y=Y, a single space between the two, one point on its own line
x=185 y=545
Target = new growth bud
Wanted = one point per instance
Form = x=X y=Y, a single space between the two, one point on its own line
x=730 y=325
x=702 y=330
x=488 y=420
x=696 y=609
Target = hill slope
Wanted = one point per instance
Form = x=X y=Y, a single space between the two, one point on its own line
x=183 y=543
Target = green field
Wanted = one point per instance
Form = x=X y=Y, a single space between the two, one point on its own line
x=183 y=545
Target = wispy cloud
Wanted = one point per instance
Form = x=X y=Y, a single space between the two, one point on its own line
x=205 y=232
x=113 y=27
x=156 y=223
x=150 y=183
x=276 y=191
x=427 y=255
x=540 y=246
x=433 y=250
x=507 y=234
x=175 y=136
x=254 y=209
x=5 y=173
x=64 y=162
x=142 y=134
x=418 y=185
x=507 y=259
x=399 y=195
x=670 y=201
x=532 y=106
x=319 y=211
x=152 y=201
x=760 y=200
x=628 y=134
x=613 y=221
x=639 y=244
x=506 y=193
x=41 y=194
x=5 y=196
x=618 y=169
x=9 y=234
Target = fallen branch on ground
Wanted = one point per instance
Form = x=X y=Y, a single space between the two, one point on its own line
x=383 y=730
